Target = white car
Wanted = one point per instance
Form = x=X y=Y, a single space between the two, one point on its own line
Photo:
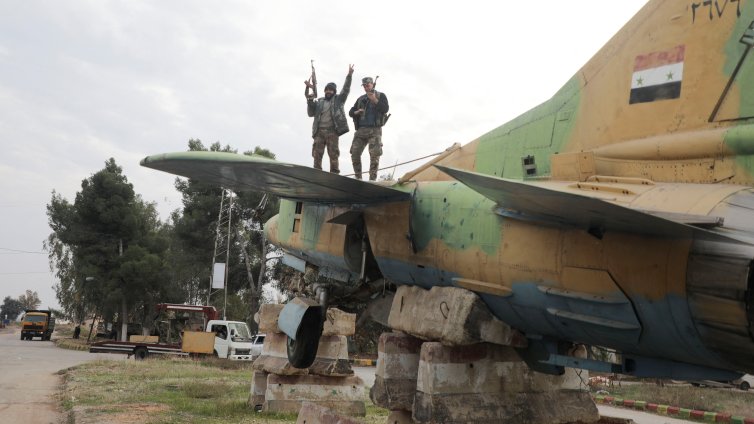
x=745 y=382
x=257 y=341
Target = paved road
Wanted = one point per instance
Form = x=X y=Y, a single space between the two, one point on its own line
x=28 y=378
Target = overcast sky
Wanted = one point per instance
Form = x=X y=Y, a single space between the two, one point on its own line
x=83 y=81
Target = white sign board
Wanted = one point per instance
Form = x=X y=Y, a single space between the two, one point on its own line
x=218 y=276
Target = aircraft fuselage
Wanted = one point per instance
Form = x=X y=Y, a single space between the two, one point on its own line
x=680 y=299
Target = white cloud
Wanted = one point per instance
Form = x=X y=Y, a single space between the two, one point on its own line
x=165 y=100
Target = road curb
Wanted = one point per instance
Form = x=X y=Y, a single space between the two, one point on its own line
x=673 y=411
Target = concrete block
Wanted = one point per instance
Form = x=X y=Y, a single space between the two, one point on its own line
x=397 y=369
x=557 y=407
x=332 y=357
x=394 y=393
x=311 y=413
x=258 y=388
x=339 y=323
x=488 y=383
x=274 y=357
x=268 y=318
x=451 y=315
x=485 y=368
x=399 y=417
x=341 y=394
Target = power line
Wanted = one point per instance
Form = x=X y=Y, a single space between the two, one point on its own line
x=17 y=251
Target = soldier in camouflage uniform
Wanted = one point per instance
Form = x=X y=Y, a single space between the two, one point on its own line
x=329 y=122
x=368 y=115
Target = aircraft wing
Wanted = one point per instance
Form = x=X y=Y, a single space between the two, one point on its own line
x=532 y=202
x=255 y=173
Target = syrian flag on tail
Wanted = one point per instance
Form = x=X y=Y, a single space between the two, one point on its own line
x=657 y=76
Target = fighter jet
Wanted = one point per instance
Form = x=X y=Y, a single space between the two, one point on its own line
x=618 y=213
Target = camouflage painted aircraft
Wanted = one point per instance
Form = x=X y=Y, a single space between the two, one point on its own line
x=619 y=213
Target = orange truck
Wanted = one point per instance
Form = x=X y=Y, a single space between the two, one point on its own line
x=37 y=323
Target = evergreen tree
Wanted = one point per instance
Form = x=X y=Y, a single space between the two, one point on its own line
x=10 y=309
x=108 y=250
x=194 y=239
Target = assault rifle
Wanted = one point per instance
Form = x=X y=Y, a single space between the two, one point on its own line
x=384 y=117
x=312 y=83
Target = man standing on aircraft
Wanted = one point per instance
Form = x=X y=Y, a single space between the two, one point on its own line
x=368 y=115
x=329 y=121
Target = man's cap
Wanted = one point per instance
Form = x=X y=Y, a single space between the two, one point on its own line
x=367 y=80
x=331 y=86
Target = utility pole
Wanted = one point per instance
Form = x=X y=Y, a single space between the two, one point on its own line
x=219 y=277
x=227 y=254
x=124 y=307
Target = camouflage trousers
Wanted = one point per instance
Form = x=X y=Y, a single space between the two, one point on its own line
x=371 y=136
x=329 y=139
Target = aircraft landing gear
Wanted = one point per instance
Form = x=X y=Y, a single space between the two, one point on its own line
x=303 y=350
x=310 y=317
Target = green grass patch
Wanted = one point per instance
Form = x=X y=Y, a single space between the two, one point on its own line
x=169 y=390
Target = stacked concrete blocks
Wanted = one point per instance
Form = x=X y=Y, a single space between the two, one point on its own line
x=474 y=375
x=488 y=383
x=258 y=388
x=397 y=369
x=280 y=387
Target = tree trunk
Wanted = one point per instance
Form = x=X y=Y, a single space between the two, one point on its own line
x=254 y=291
x=91 y=328
x=123 y=307
x=124 y=320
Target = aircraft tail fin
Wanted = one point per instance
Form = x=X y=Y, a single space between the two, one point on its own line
x=668 y=98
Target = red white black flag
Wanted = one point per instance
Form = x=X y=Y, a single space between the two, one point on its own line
x=657 y=76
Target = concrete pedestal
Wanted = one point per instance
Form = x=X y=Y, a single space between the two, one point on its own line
x=488 y=383
x=331 y=359
x=312 y=413
x=397 y=368
x=258 y=388
x=286 y=393
x=329 y=384
x=274 y=357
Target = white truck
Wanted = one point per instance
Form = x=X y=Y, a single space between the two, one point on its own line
x=232 y=339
